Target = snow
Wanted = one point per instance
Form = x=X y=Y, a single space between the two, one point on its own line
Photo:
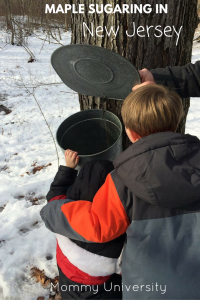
x=193 y=120
x=25 y=143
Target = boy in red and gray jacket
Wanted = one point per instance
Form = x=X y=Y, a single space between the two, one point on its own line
x=86 y=270
x=153 y=195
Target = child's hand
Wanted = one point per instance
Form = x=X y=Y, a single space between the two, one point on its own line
x=71 y=158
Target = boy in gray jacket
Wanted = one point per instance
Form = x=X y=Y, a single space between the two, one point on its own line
x=153 y=195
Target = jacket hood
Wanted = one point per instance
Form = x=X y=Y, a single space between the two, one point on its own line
x=162 y=169
x=90 y=179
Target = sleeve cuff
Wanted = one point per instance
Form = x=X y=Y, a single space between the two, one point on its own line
x=164 y=76
x=68 y=170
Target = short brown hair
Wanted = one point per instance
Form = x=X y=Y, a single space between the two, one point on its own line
x=152 y=108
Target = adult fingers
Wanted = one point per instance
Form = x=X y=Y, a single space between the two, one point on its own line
x=146 y=75
x=142 y=84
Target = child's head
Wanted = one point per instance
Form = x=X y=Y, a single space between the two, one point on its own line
x=151 y=109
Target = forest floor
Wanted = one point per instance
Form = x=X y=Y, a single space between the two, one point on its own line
x=28 y=163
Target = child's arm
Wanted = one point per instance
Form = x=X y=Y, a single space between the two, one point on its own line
x=64 y=177
x=100 y=221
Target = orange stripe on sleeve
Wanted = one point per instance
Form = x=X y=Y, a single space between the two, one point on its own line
x=102 y=220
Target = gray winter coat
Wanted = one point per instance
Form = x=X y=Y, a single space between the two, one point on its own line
x=154 y=195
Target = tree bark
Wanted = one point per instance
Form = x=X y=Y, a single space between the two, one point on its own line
x=142 y=52
x=9 y=21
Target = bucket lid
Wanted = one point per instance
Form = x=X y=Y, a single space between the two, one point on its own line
x=95 y=71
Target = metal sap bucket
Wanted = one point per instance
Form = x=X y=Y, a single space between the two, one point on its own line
x=94 y=134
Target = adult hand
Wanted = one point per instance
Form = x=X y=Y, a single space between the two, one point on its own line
x=146 y=78
x=71 y=158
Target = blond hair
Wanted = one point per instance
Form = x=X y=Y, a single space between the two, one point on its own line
x=151 y=109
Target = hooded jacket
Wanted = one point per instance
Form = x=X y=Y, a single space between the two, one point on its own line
x=154 y=195
x=81 y=262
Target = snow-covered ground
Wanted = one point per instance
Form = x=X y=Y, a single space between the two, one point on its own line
x=25 y=144
x=193 y=119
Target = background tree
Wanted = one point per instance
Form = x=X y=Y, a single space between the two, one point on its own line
x=142 y=52
x=22 y=17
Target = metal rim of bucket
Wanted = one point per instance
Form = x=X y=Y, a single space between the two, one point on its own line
x=120 y=130
x=92 y=120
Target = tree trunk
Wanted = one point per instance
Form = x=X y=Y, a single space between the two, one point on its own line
x=143 y=52
x=9 y=20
